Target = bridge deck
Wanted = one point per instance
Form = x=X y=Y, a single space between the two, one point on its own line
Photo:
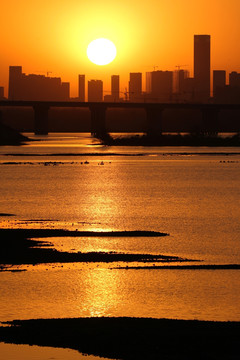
x=24 y=103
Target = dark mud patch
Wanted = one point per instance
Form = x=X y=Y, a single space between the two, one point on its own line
x=42 y=233
x=130 y=338
x=18 y=247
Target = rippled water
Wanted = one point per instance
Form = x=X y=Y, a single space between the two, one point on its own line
x=67 y=181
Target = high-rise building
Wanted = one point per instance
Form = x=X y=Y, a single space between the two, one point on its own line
x=65 y=91
x=202 y=67
x=1 y=92
x=159 y=85
x=182 y=75
x=148 y=82
x=219 y=80
x=182 y=91
x=35 y=87
x=188 y=90
x=14 y=85
x=115 y=87
x=135 y=87
x=81 y=88
x=95 y=91
x=234 y=79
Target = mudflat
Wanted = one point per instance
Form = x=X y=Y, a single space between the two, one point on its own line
x=130 y=338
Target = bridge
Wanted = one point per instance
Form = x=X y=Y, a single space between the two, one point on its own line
x=98 y=113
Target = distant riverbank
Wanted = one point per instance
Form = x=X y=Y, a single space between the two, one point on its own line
x=172 y=140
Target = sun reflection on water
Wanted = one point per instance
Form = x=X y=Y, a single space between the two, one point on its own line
x=102 y=294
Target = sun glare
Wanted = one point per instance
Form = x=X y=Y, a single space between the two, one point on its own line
x=101 y=51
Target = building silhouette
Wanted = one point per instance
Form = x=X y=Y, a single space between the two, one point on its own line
x=135 y=87
x=180 y=85
x=95 y=91
x=81 y=88
x=202 y=67
x=36 y=87
x=14 y=84
x=188 y=90
x=159 y=86
x=219 y=81
x=1 y=93
x=65 y=90
x=115 y=87
x=234 y=79
x=229 y=94
x=114 y=96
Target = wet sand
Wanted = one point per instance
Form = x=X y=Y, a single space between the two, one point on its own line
x=131 y=338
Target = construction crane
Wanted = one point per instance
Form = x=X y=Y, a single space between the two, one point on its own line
x=126 y=93
x=152 y=66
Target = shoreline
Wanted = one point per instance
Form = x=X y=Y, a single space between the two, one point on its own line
x=130 y=338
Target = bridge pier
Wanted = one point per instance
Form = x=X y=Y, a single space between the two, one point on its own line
x=210 y=120
x=154 y=120
x=41 y=119
x=98 y=120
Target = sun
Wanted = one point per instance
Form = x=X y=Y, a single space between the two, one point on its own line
x=101 y=51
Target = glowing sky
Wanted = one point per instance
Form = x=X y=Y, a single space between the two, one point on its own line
x=53 y=35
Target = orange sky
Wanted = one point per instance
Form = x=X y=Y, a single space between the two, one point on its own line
x=52 y=35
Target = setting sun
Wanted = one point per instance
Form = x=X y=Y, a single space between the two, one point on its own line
x=101 y=51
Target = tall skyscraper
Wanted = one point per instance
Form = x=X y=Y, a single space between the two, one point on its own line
x=115 y=87
x=135 y=87
x=202 y=67
x=95 y=91
x=14 y=85
x=81 y=87
x=219 y=80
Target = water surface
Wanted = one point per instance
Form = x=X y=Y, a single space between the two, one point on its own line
x=68 y=181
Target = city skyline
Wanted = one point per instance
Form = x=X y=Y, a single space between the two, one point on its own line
x=46 y=37
x=159 y=85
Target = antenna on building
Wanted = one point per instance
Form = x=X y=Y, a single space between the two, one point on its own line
x=154 y=67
